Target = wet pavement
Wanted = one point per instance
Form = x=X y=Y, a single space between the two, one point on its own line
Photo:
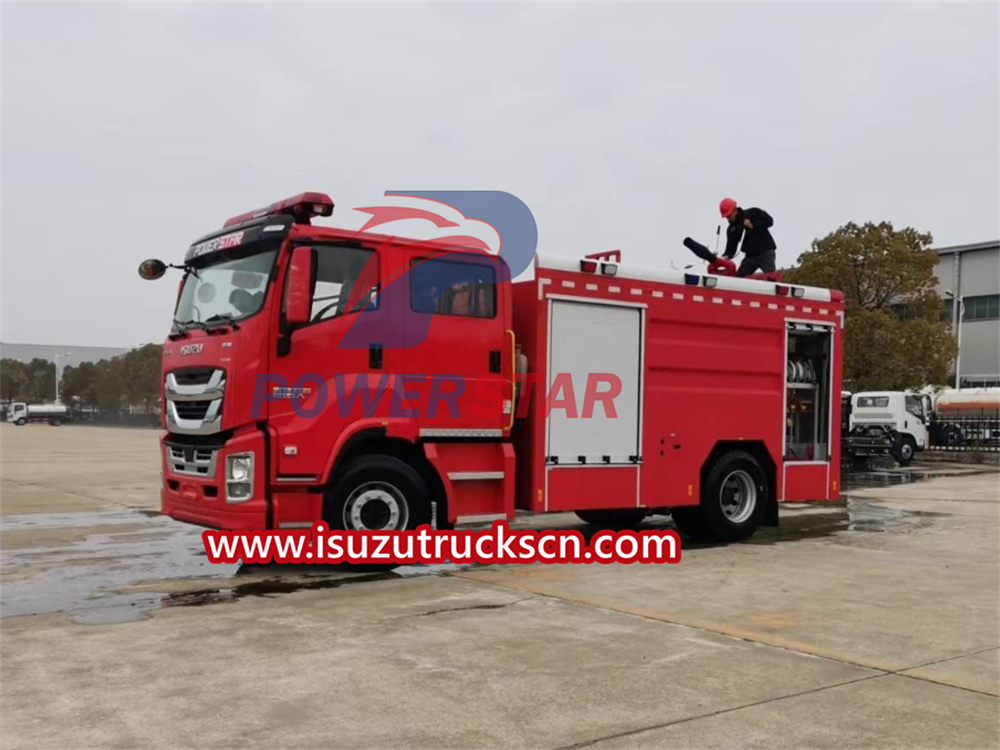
x=867 y=623
x=124 y=575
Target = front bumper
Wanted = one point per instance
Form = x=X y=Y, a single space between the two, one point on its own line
x=194 y=482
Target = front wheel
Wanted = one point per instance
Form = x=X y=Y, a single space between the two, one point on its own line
x=21 y=422
x=379 y=493
x=905 y=450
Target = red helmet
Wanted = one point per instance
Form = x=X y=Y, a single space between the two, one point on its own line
x=727 y=206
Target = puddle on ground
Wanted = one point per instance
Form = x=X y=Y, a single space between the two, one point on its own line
x=86 y=578
x=852 y=515
x=83 y=578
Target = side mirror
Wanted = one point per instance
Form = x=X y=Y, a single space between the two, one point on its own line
x=298 y=304
x=152 y=269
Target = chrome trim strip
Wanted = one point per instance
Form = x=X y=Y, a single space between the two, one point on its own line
x=457 y=432
x=293 y=478
x=466 y=476
x=488 y=518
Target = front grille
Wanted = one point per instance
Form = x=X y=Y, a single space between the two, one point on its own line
x=194 y=400
x=194 y=375
x=198 y=462
x=192 y=409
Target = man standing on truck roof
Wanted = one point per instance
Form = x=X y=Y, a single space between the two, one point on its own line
x=752 y=225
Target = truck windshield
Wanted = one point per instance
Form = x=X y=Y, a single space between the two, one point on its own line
x=228 y=290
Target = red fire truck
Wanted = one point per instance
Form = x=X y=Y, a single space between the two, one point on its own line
x=723 y=402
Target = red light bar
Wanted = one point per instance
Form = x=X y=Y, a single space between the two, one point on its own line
x=781 y=290
x=588 y=266
x=302 y=207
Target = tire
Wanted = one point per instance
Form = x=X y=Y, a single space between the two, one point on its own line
x=906 y=448
x=689 y=522
x=734 y=500
x=952 y=436
x=56 y=422
x=379 y=493
x=623 y=518
x=21 y=422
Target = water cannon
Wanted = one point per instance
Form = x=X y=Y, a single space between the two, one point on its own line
x=721 y=266
x=302 y=208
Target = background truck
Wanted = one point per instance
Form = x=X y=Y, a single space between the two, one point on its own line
x=54 y=414
x=862 y=442
x=964 y=416
x=595 y=387
x=948 y=417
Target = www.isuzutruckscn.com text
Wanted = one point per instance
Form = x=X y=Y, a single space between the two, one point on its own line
x=497 y=545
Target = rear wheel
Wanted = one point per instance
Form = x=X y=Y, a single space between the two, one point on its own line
x=622 y=518
x=56 y=422
x=733 y=501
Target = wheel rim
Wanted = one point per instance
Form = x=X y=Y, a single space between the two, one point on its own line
x=376 y=506
x=907 y=450
x=738 y=496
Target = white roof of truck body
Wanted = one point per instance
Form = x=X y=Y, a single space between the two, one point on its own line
x=675 y=277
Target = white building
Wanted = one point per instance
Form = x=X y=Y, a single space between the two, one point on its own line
x=969 y=279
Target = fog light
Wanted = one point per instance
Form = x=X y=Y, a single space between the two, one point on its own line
x=237 y=492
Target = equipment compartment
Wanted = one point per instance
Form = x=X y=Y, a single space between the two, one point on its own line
x=808 y=379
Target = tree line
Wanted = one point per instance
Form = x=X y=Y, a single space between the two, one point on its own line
x=109 y=385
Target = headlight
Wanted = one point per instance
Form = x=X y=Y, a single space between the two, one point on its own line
x=239 y=478
x=240 y=468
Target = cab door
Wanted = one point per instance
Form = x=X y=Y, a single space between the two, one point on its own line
x=321 y=360
x=916 y=420
x=460 y=374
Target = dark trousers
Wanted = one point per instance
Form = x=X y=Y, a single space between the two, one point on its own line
x=753 y=263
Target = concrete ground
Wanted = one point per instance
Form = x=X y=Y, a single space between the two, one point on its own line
x=872 y=624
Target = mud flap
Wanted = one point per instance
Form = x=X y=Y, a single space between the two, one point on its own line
x=771 y=512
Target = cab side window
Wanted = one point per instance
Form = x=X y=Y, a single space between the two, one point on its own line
x=450 y=287
x=343 y=274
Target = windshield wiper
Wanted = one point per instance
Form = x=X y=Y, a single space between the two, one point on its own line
x=183 y=326
x=221 y=319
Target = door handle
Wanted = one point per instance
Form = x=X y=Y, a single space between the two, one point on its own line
x=375 y=357
x=495 y=361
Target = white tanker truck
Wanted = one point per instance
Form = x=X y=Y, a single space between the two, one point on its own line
x=55 y=414
x=948 y=417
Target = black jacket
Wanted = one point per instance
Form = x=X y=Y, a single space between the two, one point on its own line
x=756 y=241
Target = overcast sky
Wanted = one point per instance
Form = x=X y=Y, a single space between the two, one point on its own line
x=129 y=130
